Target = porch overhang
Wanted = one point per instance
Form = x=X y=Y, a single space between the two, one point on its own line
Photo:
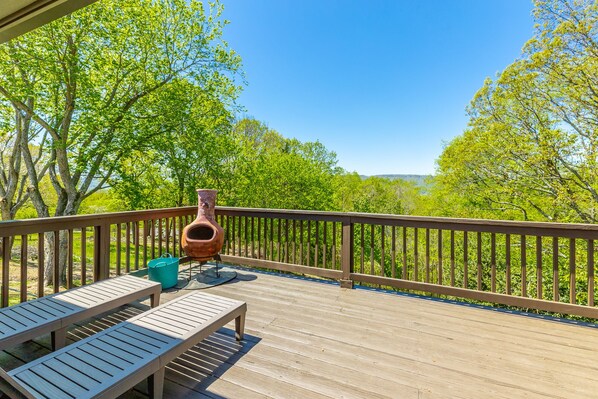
x=21 y=16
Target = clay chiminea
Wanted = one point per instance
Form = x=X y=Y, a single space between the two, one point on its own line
x=203 y=238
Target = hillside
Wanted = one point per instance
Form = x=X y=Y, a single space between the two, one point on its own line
x=420 y=180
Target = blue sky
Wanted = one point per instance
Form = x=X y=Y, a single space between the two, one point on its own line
x=384 y=84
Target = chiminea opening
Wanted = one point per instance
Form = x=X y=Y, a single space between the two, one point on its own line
x=201 y=233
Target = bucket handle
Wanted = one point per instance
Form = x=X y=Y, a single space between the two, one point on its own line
x=166 y=255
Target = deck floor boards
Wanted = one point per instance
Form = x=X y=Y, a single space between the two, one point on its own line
x=312 y=340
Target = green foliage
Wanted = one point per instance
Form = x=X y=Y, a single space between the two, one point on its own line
x=375 y=195
x=98 y=83
x=530 y=150
x=270 y=171
x=190 y=147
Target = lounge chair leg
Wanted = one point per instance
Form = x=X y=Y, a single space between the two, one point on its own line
x=58 y=339
x=240 y=326
x=155 y=300
x=155 y=384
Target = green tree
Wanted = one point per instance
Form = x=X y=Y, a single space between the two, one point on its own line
x=376 y=195
x=191 y=151
x=270 y=171
x=530 y=149
x=85 y=81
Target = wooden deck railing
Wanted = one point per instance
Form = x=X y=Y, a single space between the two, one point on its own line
x=96 y=246
x=545 y=266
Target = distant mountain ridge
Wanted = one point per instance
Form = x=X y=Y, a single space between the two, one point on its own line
x=420 y=180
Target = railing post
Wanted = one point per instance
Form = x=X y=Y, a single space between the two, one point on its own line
x=347 y=253
x=101 y=258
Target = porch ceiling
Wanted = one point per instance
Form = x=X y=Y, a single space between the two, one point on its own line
x=20 y=16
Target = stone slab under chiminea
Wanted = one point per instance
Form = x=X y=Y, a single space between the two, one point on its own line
x=203 y=238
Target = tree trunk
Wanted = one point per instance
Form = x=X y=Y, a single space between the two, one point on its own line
x=49 y=261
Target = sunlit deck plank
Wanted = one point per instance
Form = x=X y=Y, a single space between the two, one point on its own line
x=307 y=339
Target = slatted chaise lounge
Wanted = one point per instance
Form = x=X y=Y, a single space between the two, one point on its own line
x=54 y=313
x=109 y=363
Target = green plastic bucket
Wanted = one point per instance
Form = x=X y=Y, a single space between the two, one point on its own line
x=164 y=270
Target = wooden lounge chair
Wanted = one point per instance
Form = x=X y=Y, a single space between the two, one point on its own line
x=109 y=363
x=54 y=313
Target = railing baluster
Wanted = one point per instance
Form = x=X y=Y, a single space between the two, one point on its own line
x=493 y=262
x=316 y=249
x=83 y=255
x=508 y=262
x=253 y=254
x=24 y=280
x=555 y=269
x=286 y=240
x=427 y=255
x=175 y=247
x=265 y=238
x=241 y=243
x=465 y=260
x=268 y=238
x=246 y=227
x=572 y=278
x=523 y=266
x=590 y=272
x=539 y=266
x=372 y=249
x=479 y=260
x=266 y=222
x=239 y=235
x=234 y=235
x=167 y=236
x=452 y=258
x=415 y=255
x=308 y=243
x=259 y=237
x=153 y=237
x=228 y=235
x=118 y=244
x=5 y=269
x=294 y=245
x=279 y=237
x=145 y=232
x=56 y=279
x=271 y=243
x=405 y=270
x=382 y=252
x=334 y=245
x=160 y=242
x=182 y=224
x=69 y=278
x=40 y=264
x=440 y=272
x=128 y=245
x=324 y=244
x=362 y=270
x=393 y=253
x=301 y=242
x=136 y=242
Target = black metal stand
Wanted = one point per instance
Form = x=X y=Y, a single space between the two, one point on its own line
x=209 y=277
x=216 y=258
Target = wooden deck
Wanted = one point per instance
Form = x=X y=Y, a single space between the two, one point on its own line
x=308 y=339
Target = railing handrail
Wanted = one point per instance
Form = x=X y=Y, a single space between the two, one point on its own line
x=40 y=225
x=567 y=230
